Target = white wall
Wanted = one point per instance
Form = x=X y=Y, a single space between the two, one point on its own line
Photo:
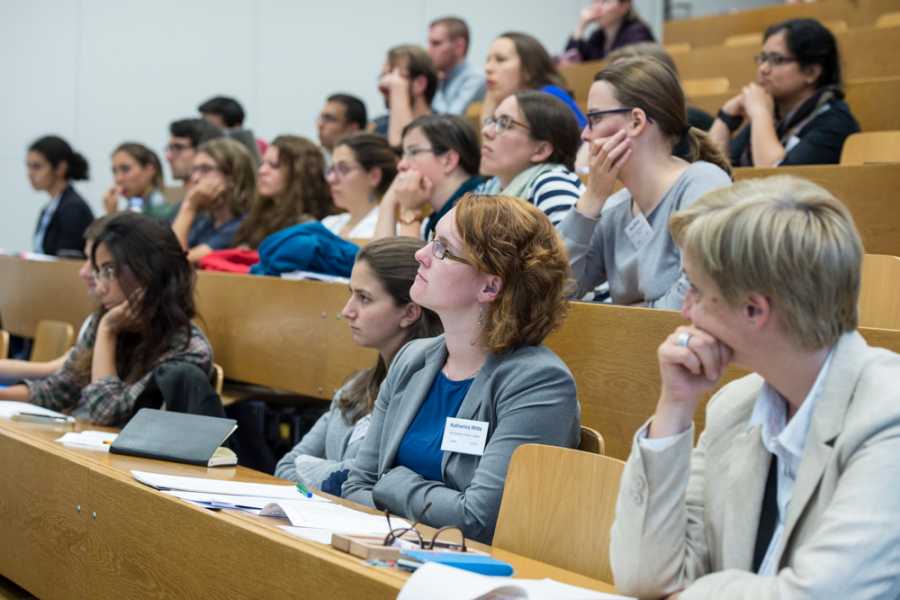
x=99 y=72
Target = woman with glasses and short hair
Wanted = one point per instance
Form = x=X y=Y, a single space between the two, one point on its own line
x=454 y=408
x=363 y=166
x=145 y=286
x=223 y=185
x=794 y=113
x=529 y=146
x=636 y=117
x=439 y=166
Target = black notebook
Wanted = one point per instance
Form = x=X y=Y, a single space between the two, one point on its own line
x=175 y=436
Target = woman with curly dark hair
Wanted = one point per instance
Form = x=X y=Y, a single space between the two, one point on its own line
x=290 y=189
x=452 y=409
x=146 y=290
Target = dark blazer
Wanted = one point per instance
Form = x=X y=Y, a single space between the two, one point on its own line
x=632 y=31
x=66 y=228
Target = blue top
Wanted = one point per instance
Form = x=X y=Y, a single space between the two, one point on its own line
x=463 y=85
x=420 y=449
x=555 y=90
x=204 y=232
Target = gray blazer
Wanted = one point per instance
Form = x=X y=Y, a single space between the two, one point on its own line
x=526 y=396
x=331 y=445
x=689 y=520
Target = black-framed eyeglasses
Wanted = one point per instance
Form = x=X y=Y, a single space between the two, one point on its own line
x=425 y=544
x=774 y=59
x=504 y=123
x=440 y=251
x=595 y=116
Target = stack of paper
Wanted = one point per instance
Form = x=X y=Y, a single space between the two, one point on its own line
x=317 y=522
x=224 y=487
x=9 y=409
x=440 y=582
x=90 y=440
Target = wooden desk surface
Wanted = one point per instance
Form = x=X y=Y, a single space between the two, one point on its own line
x=75 y=524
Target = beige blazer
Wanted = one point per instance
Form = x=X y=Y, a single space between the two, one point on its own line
x=688 y=519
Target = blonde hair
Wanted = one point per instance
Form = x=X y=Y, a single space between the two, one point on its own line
x=786 y=238
x=236 y=164
x=647 y=83
x=512 y=239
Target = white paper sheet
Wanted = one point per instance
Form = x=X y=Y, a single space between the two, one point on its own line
x=434 y=581
x=332 y=517
x=223 y=487
x=8 y=408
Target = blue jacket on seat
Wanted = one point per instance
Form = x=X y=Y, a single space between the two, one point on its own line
x=305 y=247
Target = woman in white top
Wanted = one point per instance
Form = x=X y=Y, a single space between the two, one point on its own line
x=636 y=117
x=363 y=165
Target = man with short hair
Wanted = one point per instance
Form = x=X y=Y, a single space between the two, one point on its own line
x=185 y=135
x=342 y=115
x=228 y=114
x=460 y=82
x=408 y=83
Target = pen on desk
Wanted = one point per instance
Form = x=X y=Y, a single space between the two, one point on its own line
x=41 y=418
x=304 y=491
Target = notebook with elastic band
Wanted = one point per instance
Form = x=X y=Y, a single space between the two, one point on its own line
x=177 y=437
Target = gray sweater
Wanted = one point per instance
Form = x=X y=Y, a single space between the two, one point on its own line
x=527 y=396
x=601 y=250
x=329 y=446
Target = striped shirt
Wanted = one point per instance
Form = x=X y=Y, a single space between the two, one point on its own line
x=554 y=192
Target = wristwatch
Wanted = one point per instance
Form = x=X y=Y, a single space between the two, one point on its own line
x=732 y=122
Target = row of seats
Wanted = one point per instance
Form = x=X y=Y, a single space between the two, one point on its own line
x=686 y=34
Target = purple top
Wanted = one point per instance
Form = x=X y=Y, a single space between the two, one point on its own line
x=593 y=48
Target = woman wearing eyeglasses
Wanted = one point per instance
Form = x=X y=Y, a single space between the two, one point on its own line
x=146 y=290
x=223 y=184
x=382 y=316
x=636 y=117
x=794 y=113
x=439 y=166
x=454 y=408
x=290 y=189
x=363 y=166
x=529 y=146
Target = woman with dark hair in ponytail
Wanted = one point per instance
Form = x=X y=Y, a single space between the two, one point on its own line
x=636 y=117
x=145 y=286
x=382 y=316
x=52 y=167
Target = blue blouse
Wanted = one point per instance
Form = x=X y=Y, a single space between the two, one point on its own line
x=566 y=97
x=420 y=449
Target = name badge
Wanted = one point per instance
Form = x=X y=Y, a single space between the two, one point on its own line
x=639 y=231
x=464 y=436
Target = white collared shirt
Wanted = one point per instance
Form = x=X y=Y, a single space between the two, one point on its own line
x=46 y=217
x=785 y=440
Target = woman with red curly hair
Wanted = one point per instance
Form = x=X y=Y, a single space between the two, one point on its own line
x=454 y=408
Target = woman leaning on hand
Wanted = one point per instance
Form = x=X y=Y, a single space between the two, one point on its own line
x=794 y=113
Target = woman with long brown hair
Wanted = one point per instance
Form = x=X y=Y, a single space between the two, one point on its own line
x=382 y=316
x=146 y=290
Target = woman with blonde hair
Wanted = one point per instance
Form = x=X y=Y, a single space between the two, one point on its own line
x=290 y=189
x=223 y=184
x=636 y=117
x=496 y=274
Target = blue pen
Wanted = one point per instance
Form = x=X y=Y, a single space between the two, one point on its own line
x=302 y=489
